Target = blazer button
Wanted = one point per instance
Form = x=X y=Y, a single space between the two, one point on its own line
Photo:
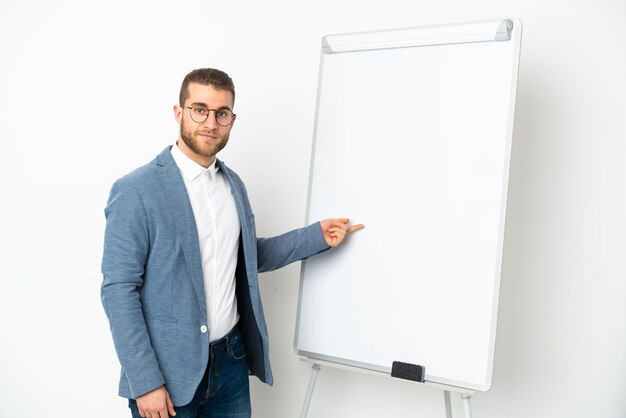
x=203 y=329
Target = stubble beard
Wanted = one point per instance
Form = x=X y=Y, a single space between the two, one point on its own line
x=201 y=147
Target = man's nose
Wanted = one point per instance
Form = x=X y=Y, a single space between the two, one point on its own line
x=211 y=121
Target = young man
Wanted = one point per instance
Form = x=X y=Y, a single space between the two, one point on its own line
x=181 y=257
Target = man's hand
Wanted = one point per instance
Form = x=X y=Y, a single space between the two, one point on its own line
x=156 y=404
x=335 y=230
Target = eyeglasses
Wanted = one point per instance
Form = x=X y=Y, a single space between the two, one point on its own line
x=200 y=114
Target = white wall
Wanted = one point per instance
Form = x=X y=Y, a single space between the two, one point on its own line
x=86 y=90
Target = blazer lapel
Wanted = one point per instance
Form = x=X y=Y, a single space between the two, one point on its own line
x=176 y=193
x=238 y=195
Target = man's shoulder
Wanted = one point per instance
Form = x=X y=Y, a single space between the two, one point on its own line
x=145 y=174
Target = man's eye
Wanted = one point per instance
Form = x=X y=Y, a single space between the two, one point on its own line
x=222 y=114
x=200 y=110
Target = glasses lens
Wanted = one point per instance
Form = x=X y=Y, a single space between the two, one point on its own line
x=199 y=113
x=223 y=117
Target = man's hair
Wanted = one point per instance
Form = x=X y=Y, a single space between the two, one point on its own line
x=207 y=77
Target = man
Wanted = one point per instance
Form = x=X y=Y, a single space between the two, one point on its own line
x=180 y=263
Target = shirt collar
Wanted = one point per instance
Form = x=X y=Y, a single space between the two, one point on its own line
x=191 y=169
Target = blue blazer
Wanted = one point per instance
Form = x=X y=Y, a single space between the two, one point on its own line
x=152 y=289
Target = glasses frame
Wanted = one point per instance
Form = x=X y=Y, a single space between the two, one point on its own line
x=232 y=115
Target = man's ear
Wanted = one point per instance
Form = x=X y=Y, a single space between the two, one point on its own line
x=178 y=114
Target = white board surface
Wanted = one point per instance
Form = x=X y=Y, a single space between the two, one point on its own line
x=414 y=142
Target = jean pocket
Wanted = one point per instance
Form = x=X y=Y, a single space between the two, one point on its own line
x=237 y=350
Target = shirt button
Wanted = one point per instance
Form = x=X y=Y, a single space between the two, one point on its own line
x=203 y=329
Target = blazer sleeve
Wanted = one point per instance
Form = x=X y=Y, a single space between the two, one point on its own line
x=126 y=247
x=299 y=244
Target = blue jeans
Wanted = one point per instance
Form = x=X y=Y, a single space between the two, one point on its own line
x=224 y=391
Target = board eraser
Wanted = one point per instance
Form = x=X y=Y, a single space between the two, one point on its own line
x=407 y=371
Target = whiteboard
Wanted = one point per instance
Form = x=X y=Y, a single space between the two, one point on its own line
x=412 y=138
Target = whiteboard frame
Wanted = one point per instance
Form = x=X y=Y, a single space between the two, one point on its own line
x=508 y=30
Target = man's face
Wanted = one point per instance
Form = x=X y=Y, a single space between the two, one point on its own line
x=202 y=141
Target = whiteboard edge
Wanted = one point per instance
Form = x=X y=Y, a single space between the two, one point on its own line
x=516 y=38
x=368 y=368
x=310 y=187
x=500 y=30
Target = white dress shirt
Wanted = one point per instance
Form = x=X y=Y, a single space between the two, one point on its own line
x=218 y=233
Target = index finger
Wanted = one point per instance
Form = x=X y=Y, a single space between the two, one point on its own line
x=355 y=227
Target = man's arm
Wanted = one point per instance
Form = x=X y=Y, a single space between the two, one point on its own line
x=126 y=247
x=300 y=244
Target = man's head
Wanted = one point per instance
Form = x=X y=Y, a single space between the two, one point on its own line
x=205 y=114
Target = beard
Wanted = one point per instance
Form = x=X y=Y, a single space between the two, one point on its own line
x=201 y=146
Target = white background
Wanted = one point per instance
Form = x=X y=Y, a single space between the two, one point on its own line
x=86 y=90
